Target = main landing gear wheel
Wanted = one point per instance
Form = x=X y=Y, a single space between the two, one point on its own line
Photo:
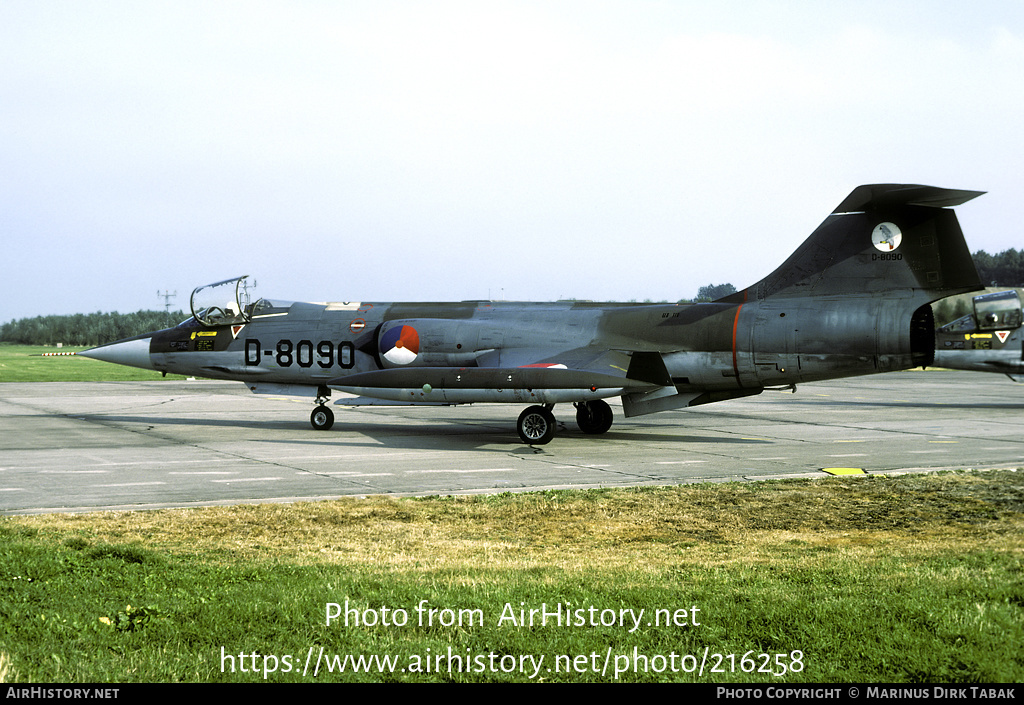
x=536 y=425
x=594 y=417
x=322 y=418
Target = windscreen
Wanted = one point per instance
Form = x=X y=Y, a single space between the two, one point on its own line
x=1000 y=309
x=221 y=304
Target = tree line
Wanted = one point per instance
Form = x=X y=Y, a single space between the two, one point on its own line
x=1003 y=269
x=86 y=328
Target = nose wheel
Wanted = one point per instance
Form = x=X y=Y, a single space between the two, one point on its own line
x=322 y=418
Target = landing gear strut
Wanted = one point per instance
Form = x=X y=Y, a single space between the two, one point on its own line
x=536 y=425
x=322 y=417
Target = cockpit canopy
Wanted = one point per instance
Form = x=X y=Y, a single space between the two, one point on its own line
x=223 y=303
x=999 y=310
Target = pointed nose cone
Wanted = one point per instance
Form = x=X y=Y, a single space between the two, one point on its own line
x=133 y=352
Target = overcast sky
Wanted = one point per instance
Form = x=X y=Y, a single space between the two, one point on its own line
x=383 y=151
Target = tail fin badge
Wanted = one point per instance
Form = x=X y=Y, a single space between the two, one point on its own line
x=886 y=237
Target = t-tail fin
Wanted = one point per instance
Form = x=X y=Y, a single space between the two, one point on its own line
x=882 y=237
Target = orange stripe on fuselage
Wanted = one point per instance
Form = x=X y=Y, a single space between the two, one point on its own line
x=735 y=324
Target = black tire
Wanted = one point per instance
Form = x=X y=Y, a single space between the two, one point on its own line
x=594 y=417
x=322 y=418
x=536 y=426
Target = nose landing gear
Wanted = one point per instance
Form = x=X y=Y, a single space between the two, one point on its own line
x=322 y=417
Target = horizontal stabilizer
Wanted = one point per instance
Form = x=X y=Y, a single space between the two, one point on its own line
x=875 y=196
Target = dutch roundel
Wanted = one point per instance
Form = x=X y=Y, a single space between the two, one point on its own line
x=400 y=345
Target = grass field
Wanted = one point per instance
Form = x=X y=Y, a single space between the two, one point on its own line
x=915 y=578
x=25 y=363
x=880 y=579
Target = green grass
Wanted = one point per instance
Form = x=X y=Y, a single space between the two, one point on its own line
x=24 y=363
x=880 y=579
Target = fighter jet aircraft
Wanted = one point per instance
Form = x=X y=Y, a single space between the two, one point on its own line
x=981 y=333
x=853 y=299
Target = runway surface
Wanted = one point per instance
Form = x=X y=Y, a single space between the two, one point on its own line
x=141 y=445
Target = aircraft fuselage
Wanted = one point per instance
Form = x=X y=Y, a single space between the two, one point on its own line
x=983 y=333
x=851 y=300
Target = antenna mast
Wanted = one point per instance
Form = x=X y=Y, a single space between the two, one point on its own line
x=166 y=296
